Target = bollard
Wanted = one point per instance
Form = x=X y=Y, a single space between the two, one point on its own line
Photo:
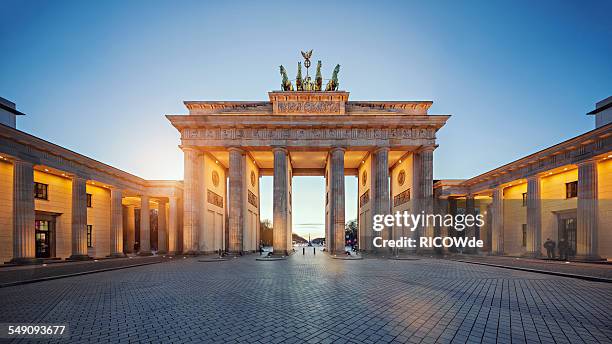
x=314 y=251
x=303 y=250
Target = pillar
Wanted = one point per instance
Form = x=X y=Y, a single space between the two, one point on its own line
x=193 y=198
x=236 y=199
x=79 y=218
x=380 y=186
x=162 y=229
x=24 y=246
x=470 y=232
x=336 y=199
x=130 y=228
x=172 y=225
x=534 y=216
x=145 y=227
x=586 y=232
x=280 y=201
x=497 y=232
x=116 y=240
x=426 y=188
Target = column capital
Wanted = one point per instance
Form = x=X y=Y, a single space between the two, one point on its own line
x=236 y=149
x=190 y=149
x=535 y=177
x=426 y=149
x=336 y=148
x=381 y=149
x=279 y=148
x=590 y=161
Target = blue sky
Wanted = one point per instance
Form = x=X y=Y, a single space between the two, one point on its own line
x=97 y=77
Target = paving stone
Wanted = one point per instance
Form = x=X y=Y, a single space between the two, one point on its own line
x=317 y=299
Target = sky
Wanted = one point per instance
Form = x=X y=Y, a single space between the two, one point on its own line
x=98 y=77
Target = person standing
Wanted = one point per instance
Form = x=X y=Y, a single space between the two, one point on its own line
x=549 y=245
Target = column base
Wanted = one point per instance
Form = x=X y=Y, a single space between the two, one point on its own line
x=26 y=261
x=118 y=255
x=190 y=253
x=79 y=257
x=145 y=253
x=162 y=252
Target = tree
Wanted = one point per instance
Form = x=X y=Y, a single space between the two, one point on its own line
x=266 y=232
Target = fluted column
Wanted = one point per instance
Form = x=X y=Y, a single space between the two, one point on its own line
x=24 y=245
x=497 y=233
x=130 y=228
x=79 y=218
x=586 y=232
x=236 y=199
x=172 y=225
x=426 y=188
x=193 y=202
x=337 y=200
x=280 y=201
x=534 y=216
x=380 y=186
x=470 y=208
x=162 y=230
x=116 y=239
x=145 y=226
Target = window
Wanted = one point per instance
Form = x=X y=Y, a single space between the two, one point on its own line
x=89 y=235
x=88 y=200
x=524 y=235
x=571 y=189
x=41 y=191
x=524 y=199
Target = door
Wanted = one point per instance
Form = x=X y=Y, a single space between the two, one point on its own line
x=43 y=232
x=567 y=231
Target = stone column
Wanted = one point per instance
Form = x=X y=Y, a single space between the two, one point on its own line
x=162 y=230
x=79 y=218
x=280 y=201
x=192 y=198
x=24 y=245
x=380 y=187
x=470 y=231
x=145 y=227
x=586 y=232
x=497 y=232
x=130 y=229
x=116 y=240
x=173 y=225
x=337 y=200
x=426 y=188
x=534 y=217
x=236 y=199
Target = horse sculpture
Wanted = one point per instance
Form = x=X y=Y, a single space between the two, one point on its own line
x=318 y=78
x=285 y=84
x=299 y=85
x=332 y=85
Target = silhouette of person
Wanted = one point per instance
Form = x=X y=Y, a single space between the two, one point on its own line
x=549 y=245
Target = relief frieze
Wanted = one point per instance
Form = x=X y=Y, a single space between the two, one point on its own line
x=308 y=107
x=308 y=133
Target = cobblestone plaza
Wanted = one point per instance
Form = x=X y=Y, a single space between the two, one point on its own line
x=315 y=298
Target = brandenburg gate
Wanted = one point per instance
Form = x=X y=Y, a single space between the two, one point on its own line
x=306 y=131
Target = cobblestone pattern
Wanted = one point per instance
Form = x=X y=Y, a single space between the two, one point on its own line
x=603 y=270
x=316 y=299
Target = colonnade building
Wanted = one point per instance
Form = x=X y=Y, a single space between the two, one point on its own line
x=561 y=193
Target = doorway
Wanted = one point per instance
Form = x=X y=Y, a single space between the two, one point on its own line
x=567 y=231
x=44 y=234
